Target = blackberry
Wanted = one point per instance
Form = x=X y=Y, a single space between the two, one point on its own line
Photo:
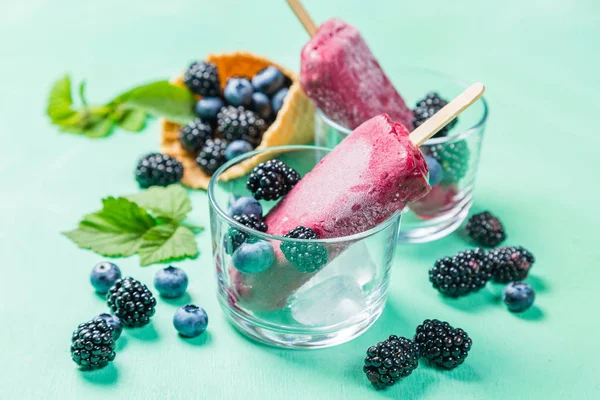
x=194 y=135
x=235 y=237
x=391 y=360
x=426 y=108
x=454 y=159
x=131 y=301
x=306 y=257
x=203 y=78
x=237 y=123
x=157 y=169
x=441 y=344
x=92 y=344
x=272 y=180
x=485 y=229
x=212 y=155
x=509 y=264
x=461 y=274
x=251 y=221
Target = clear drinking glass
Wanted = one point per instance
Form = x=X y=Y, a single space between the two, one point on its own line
x=444 y=209
x=283 y=305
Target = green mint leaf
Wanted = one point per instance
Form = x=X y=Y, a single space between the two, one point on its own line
x=160 y=99
x=116 y=230
x=82 y=93
x=60 y=100
x=167 y=242
x=109 y=244
x=132 y=120
x=171 y=202
x=99 y=129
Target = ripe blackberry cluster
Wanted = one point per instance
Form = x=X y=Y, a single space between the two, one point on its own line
x=194 y=135
x=485 y=229
x=272 y=180
x=131 y=301
x=441 y=344
x=203 y=78
x=306 y=257
x=92 y=344
x=238 y=123
x=454 y=159
x=509 y=264
x=397 y=357
x=212 y=155
x=389 y=361
x=426 y=108
x=158 y=170
x=461 y=274
x=235 y=237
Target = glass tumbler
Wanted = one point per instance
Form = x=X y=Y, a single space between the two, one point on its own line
x=444 y=209
x=267 y=294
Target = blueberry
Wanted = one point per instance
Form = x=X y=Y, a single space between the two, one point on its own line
x=208 y=107
x=436 y=173
x=268 y=80
x=518 y=296
x=245 y=205
x=261 y=105
x=171 y=282
x=238 y=92
x=104 y=275
x=114 y=323
x=190 y=321
x=237 y=148
x=255 y=257
x=277 y=100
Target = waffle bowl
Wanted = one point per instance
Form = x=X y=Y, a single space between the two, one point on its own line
x=294 y=123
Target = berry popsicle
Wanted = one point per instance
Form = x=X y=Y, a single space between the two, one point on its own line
x=340 y=74
x=372 y=174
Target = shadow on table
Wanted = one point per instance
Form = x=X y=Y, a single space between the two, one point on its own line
x=105 y=376
x=203 y=340
x=343 y=363
x=146 y=333
x=179 y=302
x=474 y=302
x=533 y=314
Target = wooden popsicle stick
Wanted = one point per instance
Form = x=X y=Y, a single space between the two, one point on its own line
x=303 y=16
x=447 y=114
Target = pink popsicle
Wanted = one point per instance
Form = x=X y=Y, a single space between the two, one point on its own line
x=344 y=80
x=373 y=173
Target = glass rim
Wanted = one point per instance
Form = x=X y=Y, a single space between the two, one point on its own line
x=223 y=214
x=433 y=141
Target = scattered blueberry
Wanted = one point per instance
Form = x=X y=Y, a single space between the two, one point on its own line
x=436 y=173
x=277 y=100
x=261 y=105
x=268 y=81
x=114 y=323
x=245 y=205
x=518 y=296
x=255 y=257
x=104 y=275
x=190 y=321
x=237 y=148
x=238 y=92
x=171 y=282
x=208 y=107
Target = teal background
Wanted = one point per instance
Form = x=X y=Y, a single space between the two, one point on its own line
x=540 y=62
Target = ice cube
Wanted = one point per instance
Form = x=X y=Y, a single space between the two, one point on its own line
x=355 y=262
x=329 y=302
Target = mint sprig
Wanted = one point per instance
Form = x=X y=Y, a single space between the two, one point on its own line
x=128 y=110
x=148 y=223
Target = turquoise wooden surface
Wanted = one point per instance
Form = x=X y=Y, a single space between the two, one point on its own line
x=540 y=62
